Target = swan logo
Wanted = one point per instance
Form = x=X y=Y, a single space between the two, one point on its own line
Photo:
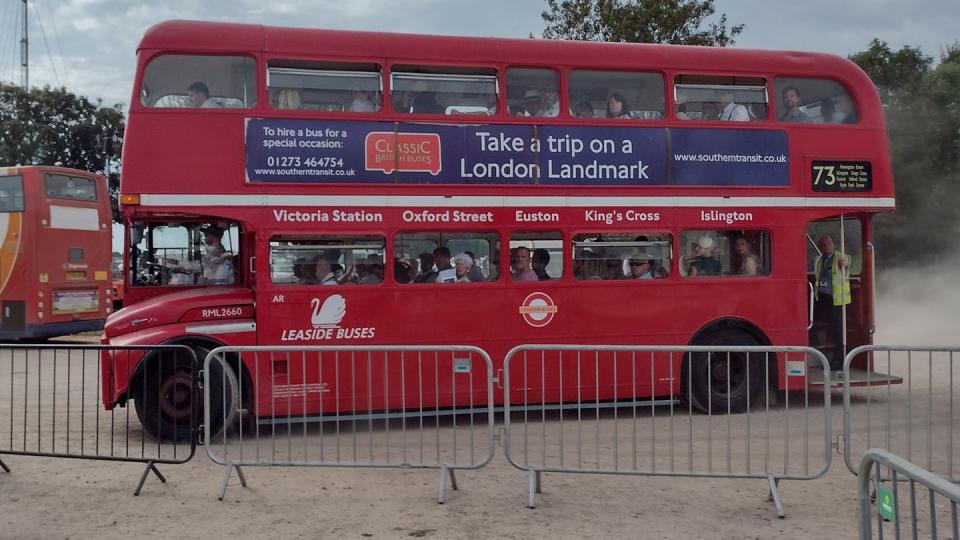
x=326 y=316
x=330 y=313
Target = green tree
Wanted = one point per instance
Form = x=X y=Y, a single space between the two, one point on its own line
x=53 y=126
x=922 y=107
x=895 y=73
x=679 y=22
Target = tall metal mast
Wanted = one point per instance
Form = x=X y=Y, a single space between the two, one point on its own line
x=24 y=54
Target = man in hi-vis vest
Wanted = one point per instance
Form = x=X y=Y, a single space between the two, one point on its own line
x=831 y=293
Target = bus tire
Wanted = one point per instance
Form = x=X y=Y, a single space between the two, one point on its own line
x=170 y=406
x=708 y=384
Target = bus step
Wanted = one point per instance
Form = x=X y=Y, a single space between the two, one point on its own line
x=858 y=377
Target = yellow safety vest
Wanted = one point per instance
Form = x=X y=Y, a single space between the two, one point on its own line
x=840 y=279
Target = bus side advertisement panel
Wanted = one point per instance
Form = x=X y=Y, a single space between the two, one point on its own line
x=316 y=151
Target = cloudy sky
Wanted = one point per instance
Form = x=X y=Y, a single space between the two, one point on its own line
x=89 y=45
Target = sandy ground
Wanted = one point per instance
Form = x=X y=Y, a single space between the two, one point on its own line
x=52 y=498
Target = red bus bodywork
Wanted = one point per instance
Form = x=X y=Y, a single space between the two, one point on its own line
x=55 y=256
x=190 y=164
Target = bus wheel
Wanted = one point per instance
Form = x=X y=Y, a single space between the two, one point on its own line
x=170 y=407
x=722 y=382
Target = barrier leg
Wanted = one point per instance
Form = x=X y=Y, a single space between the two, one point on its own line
x=533 y=484
x=539 y=477
x=774 y=496
x=4 y=466
x=226 y=478
x=444 y=471
x=151 y=466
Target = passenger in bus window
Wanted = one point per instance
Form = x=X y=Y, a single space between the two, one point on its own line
x=588 y=265
x=551 y=102
x=361 y=101
x=704 y=262
x=403 y=271
x=791 y=104
x=583 y=109
x=325 y=272
x=445 y=271
x=613 y=269
x=730 y=110
x=198 y=96
x=617 y=107
x=373 y=274
x=490 y=101
x=308 y=273
x=520 y=263
x=462 y=263
x=640 y=268
x=846 y=114
x=682 y=107
x=426 y=103
x=289 y=98
x=532 y=103
x=749 y=263
x=828 y=114
x=427 y=273
x=541 y=258
x=475 y=274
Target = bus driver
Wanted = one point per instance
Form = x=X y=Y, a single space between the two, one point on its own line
x=215 y=263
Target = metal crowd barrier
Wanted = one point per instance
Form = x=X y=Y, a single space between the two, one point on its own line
x=50 y=403
x=888 y=500
x=585 y=409
x=427 y=407
x=909 y=408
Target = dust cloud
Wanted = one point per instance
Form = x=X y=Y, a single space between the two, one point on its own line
x=919 y=306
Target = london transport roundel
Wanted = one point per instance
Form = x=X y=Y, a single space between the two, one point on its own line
x=538 y=309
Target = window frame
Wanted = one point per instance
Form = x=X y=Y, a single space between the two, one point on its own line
x=567 y=85
x=257 y=84
x=305 y=236
x=91 y=181
x=327 y=72
x=393 y=72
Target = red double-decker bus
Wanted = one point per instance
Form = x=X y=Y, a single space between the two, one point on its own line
x=301 y=187
x=55 y=252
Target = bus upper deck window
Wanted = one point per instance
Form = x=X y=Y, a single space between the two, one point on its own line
x=723 y=98
x=619 y=95
x=202 y=82
x=819 y=101
x=533 y=92
x=431 y=90
x=11 y=194
x=324 y=86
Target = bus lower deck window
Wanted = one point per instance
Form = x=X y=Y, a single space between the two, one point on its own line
x=622 y=256
x=724 y=253
x=536 y=256
x=327 y=260
x=446 y=257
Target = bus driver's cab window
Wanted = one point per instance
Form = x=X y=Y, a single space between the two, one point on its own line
x=199 y=82
x=180 y=254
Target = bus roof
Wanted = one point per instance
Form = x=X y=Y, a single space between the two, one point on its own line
x=197 y=36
